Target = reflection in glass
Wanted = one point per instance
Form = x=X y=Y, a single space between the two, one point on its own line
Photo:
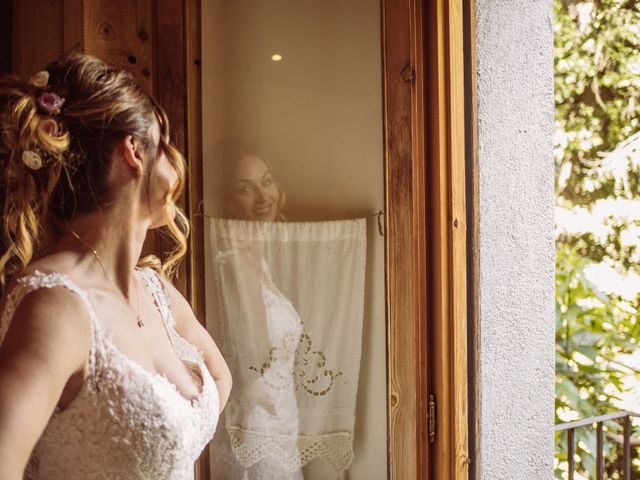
x=314 y=118
x=289 y=308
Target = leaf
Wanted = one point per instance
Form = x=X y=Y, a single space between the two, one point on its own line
x=568 y=389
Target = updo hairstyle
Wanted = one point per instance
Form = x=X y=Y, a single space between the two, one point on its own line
x=54 y=163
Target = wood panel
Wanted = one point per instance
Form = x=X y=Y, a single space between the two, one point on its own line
x=121 y=33
x=37 y=35
x=73 y=26
x=6 y=36
x=406 y=238
x=448 y=235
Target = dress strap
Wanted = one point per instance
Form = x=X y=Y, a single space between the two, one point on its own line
x=182 y=347
x=160 y=295
x=35 y=281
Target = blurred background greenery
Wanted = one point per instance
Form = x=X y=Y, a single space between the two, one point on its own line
x=597 y=162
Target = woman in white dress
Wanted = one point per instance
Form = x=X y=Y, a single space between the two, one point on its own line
x=105 y=373
x=264 y=331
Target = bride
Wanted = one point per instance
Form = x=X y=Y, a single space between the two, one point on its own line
x=104 y=370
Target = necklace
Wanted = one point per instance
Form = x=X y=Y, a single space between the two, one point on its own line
x=104 y=270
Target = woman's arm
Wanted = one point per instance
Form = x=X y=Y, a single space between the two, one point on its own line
x=48 y=341
x=188 y=326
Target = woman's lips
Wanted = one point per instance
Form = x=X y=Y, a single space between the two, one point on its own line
x=263 y=210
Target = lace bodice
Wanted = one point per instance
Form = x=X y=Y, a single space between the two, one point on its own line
x=126 y=423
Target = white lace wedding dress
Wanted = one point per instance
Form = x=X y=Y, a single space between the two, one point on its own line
x=126 y=423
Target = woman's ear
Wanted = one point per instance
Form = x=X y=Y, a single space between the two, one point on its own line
x=130 y=150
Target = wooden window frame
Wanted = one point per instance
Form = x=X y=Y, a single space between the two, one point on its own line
x=447 y=224
x=427 y=185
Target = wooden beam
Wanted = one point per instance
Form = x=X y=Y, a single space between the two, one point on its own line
x=406 y=238
x=448 y=228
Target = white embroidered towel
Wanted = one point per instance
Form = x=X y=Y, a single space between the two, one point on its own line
x=287 y=310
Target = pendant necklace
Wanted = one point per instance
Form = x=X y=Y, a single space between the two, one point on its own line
x=104 y=270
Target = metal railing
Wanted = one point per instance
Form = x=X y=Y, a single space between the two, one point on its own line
x=571 y=427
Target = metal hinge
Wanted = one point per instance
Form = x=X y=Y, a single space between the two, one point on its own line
x=432 y=418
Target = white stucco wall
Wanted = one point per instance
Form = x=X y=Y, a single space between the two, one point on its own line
x=514 y=45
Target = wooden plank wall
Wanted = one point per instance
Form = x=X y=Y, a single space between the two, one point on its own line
x=145 y=37
x=33 y=45
x=122 y=34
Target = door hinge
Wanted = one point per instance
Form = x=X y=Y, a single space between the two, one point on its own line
x=432 y=418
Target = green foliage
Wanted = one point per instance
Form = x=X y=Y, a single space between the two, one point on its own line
x=597 y=97
x=597 y=89
x=592 y=331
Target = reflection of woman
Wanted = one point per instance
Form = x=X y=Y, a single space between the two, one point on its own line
x=251 y=192
x=110 y=376
x=263 y=409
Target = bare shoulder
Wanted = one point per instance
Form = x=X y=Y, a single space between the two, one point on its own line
x=48 y=341
x=52 y=313
x=47 y=314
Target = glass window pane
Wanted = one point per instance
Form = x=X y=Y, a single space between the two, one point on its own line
x=293 y=175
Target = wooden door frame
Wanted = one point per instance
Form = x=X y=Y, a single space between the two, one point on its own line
x=473 y=236
x=426 y=238
x=447 y=221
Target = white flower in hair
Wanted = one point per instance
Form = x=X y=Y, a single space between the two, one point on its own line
x=40 y=79
x=32 y=159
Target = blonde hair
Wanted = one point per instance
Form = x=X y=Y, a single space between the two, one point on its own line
x=102 y=105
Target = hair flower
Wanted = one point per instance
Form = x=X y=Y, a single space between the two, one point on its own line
x=32 y=159
x=50 y=102
x=40 y=79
